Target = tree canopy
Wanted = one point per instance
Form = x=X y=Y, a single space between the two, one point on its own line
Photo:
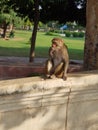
x=59 y=10
x=63 y=11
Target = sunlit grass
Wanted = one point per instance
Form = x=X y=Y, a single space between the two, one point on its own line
x=20 y=45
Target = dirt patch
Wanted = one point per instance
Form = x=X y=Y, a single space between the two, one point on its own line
x=16 y=39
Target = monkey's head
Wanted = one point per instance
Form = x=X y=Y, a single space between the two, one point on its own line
x=56 y=47
x=57 y=42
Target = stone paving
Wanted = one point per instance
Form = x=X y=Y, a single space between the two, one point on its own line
x=17 y=67
x=26 y=60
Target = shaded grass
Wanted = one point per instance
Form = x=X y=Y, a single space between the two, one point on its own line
x=20 y=45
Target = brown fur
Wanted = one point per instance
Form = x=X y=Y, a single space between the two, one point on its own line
x=58 y=62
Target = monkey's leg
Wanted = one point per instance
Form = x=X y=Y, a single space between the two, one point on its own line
x=59 y=71
x=65 y=70
x=48 y=68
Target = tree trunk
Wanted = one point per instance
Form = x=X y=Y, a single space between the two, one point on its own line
x=91 y=40
x=34 y=33
x=5 y=24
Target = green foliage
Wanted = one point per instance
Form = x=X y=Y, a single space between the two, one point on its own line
x=49 y=33
x=74 y=34
x=78 y=34
x=8 y=17
x=68 y=33
x=51 y=10
x=4 y=17
x=11 y=35
x=81 y=34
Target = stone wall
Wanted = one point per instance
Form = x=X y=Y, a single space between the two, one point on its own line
x=37 y=104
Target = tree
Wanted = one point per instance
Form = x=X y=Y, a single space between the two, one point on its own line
x=4 y=16
x=63 y=11
x=91 y=40
x=30 y=9
x=4 y=20
x=34 y=33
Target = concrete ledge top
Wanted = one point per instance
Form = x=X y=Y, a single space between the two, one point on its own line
x=75 y=81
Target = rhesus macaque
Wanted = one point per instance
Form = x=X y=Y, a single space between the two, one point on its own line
x=58 y=62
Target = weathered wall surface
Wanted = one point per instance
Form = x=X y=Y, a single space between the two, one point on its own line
x=37 y=104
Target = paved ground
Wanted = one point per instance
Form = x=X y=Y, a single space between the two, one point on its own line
x=20 y=60
x=17 y=67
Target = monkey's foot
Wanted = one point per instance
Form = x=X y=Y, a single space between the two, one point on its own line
x=64 y=77
x=53 y=76
x=48 y=76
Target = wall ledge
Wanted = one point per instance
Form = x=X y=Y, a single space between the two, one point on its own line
x=52 y=104
x=74 y=81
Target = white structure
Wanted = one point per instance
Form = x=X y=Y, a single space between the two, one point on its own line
x=37 y=104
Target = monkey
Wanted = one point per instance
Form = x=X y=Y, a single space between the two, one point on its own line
x=58 y=61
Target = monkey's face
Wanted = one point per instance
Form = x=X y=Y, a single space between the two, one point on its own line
x=57 y=43
x=54 y=45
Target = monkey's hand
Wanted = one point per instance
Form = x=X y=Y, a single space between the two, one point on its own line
x=52 y=71
x=48 y=75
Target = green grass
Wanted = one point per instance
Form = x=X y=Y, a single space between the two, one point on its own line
x=20 y=45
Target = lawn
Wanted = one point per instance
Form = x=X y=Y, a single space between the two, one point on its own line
x=20 y=45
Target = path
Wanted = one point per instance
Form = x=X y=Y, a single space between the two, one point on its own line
x=17 y=67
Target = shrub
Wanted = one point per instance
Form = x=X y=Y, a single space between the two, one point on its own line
x=49 y=33
x=57 y=31
x=11 y=35
x=75 y=34
x=68 y=33
x=78 y=34
x=81 y=34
